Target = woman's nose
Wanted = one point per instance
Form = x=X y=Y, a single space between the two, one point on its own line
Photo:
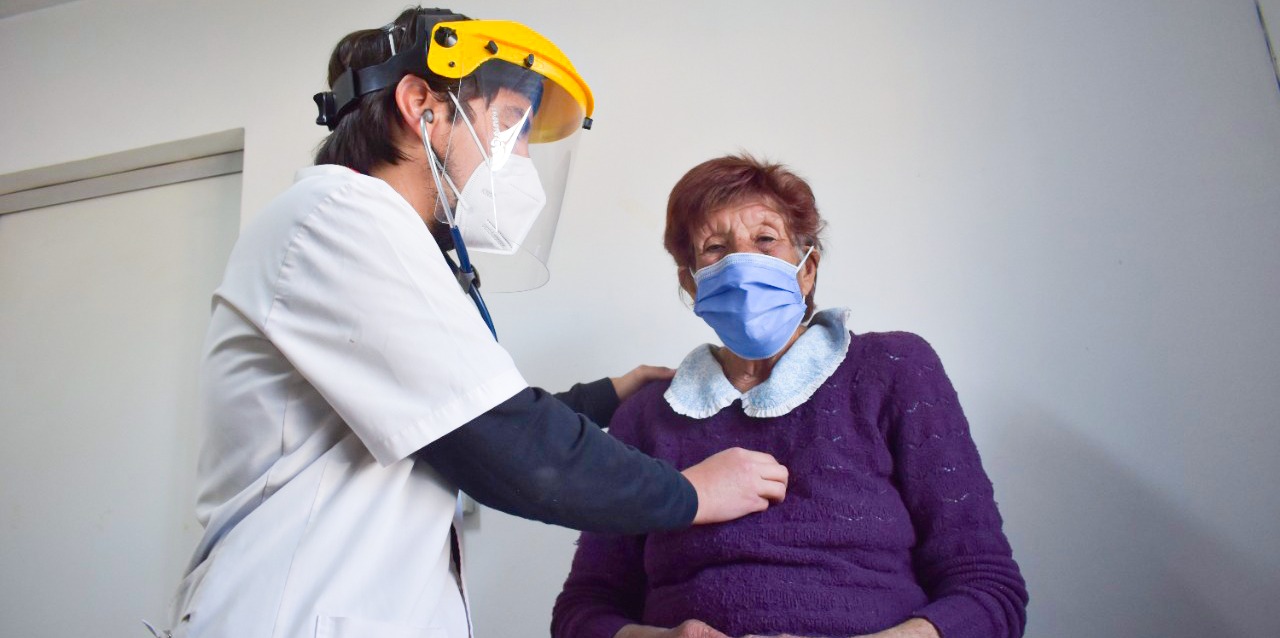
x=743 y=245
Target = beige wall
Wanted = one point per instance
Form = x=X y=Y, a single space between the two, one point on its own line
x=1075 y=202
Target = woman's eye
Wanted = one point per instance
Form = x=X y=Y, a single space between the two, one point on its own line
x=765 y=239
x=713 y=248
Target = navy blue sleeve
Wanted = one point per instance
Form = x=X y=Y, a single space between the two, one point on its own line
x=531 y=456
x=597 y=400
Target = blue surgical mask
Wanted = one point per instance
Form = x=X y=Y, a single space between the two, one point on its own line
x=752 y=301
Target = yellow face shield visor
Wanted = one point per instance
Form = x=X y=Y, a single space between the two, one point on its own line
x=456 y=49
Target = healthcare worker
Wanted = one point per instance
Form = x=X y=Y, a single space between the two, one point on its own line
x=350 y=384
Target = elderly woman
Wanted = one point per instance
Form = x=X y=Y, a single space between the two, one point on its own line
x=889 y=527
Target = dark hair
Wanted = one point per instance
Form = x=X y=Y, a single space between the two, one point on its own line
x=736 y=179
x=364 y=137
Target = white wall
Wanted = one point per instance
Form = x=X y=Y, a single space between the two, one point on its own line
x=1075 y=202
x=104 y=306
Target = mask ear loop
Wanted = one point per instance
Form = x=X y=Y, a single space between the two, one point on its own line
x=466 y=273
x=438 y=171
x=493 y=188
x=798 y=267
x=453 y=187
x=434 y=162
x=800 y=264
x=457 y=192
x=465 y=120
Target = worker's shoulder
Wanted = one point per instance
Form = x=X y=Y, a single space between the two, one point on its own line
x=337 y=189
x=332 y=197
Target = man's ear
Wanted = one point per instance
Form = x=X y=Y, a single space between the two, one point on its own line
x=413 y=99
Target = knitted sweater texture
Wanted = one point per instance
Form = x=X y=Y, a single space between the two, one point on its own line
x=888 y=516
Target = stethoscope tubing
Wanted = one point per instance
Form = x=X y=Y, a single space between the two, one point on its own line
x=468 y=272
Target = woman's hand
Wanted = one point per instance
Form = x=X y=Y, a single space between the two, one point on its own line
x=914 y=628
x=687 y=629
x=782 y=636
x=627 y=384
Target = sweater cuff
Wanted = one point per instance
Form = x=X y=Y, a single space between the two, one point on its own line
x=955 y=617
x=602 y=400
x=597 y=400
x=689 y=503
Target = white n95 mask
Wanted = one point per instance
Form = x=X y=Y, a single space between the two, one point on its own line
x=495 y=210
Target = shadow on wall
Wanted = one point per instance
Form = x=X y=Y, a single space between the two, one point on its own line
x=1106 y=555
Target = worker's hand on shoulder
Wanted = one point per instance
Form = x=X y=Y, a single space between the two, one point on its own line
x=627 y=384
x=736 y=482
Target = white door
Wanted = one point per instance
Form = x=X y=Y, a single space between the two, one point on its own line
x=105 y=303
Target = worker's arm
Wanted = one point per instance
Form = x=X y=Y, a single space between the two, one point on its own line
x=597 y=400
x=534 y=457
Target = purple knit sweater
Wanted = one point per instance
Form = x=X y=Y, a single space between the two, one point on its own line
x=888 y=516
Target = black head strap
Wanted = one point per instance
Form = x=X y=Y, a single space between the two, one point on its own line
x=353 y=83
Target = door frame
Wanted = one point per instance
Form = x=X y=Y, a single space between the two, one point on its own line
x=194 y=158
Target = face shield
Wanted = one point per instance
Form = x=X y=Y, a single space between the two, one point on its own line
x=503 y=168
x=503 y=164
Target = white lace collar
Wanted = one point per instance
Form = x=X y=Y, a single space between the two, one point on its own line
x=700 y=389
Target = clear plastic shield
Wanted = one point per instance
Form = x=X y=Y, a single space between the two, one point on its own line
x=506 y=168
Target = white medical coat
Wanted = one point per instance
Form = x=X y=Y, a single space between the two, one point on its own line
x=339 y=344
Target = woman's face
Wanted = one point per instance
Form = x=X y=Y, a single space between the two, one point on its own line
x=749 y=227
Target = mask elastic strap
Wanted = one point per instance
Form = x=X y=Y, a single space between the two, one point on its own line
x=467 y=121
x=804 y=259
x=465 y=272
x=453 y=187
x=448 y=148
x=433 y=160
x=694 y=273
x=476 y=138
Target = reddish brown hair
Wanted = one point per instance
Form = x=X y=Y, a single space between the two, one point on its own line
x=736 y=179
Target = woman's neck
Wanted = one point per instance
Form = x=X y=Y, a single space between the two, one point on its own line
x=745 y=374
